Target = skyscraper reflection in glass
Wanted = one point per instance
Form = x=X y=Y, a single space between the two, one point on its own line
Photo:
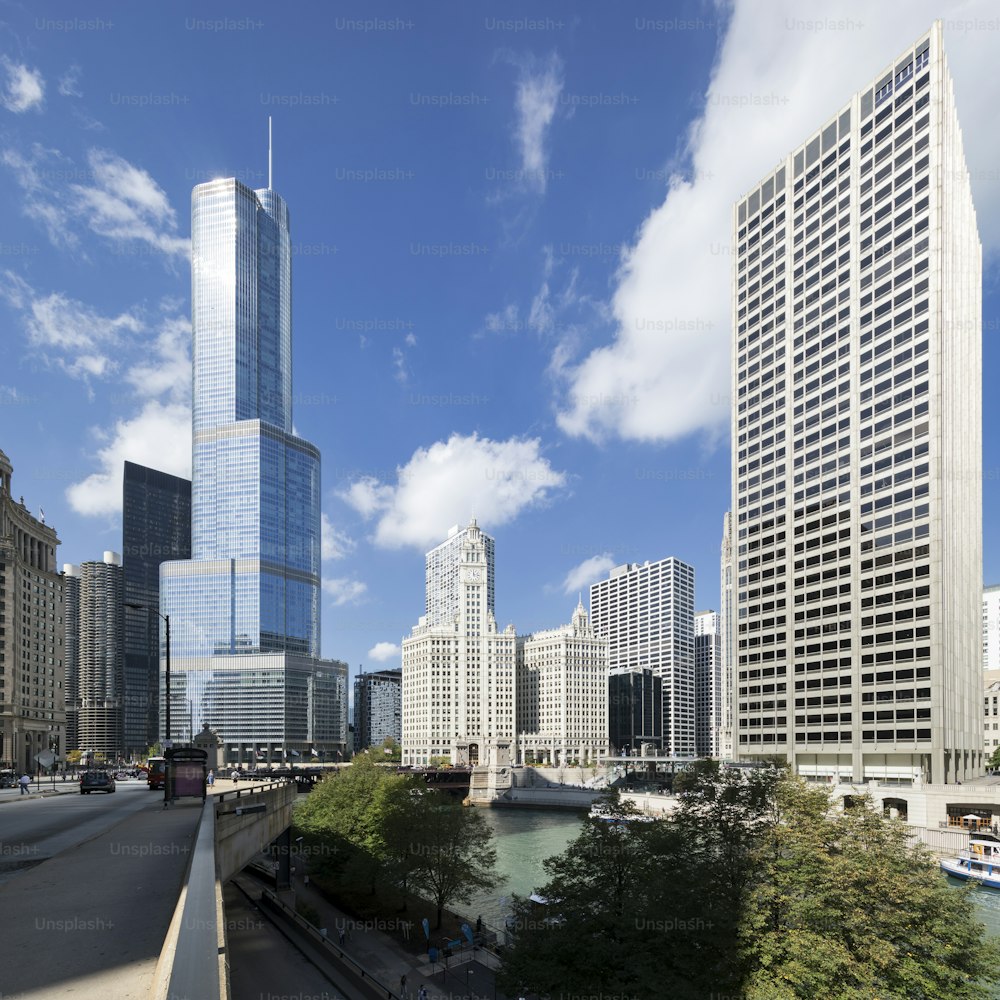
x=252 y=586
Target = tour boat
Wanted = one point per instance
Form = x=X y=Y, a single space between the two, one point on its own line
x=606 y=815
x=979 y=863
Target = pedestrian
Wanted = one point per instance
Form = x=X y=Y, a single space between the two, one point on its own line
x=479 y=925
x=235 y=776
x=342 y=936
x=422 y=993
x=211 y=777
x=402 y=985
x=25 y=782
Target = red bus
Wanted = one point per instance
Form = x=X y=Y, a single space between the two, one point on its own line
x=156 y=773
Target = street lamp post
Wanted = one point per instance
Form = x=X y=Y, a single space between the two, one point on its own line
x=166 y=621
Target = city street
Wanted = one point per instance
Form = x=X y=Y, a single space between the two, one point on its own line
x=88 y=885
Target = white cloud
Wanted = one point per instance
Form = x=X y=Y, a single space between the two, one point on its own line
x=32 y=172
x=69 y=82
x=113 y=198
x=69 y=334
x=665 y=374
x=383 y=651
x=345 y=591
x=126 y=204
x=400 y=374
x=159 y=437
x=538 y=90
x=24 y=88
x=335 y=544
x=445 y=483
x=169 y=370
x=589 y=571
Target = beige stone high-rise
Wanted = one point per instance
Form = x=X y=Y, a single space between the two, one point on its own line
x=458 y=667
x=857 y=442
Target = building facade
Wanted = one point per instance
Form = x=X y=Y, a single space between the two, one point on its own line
x=244 y=610
x=562 y=695
x=101 y=677
x=991 y=628
x=156 y=527
x=727 y=642
x=71 y=653
x=991 y=711
x=646 y=612
x=707 y=683
x=378 y=708
x=635 y=712
x=32 y=697
x=857 y=439
x=459 y=694
x=443 y=588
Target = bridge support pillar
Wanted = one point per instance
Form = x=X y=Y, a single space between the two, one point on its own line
x=282 y=846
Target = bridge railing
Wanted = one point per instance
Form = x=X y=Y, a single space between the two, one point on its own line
x=192 y=961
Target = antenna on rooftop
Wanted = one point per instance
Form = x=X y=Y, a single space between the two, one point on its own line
x=269 y=152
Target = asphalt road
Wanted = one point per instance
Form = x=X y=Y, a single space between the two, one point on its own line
x=36 y=829
x=88 y=885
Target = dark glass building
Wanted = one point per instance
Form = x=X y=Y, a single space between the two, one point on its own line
x=635 y=711
x=156 y=526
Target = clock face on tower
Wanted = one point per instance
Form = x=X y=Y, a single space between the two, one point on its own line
x=474 y=576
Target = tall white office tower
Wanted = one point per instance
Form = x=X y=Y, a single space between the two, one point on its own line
x=458 y=669
x=857 y=432
x=707 y=682
x=991 y=628
x=646 y=612
x=727 y=645
x=562 y=694
x=443 y=586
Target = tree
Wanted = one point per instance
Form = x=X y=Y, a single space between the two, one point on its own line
x=847 y=908
x=994 y=761
x=391 y=750
x=451 y=850
x=342 y=824
x=753 y=888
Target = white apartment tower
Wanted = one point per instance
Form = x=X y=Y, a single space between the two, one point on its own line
x=727 y=642
x=707 y=682
x=442 y=581
x=857 y=434
x=458 y=673
x=646 y=612
x=562 y=694
x=991 y=628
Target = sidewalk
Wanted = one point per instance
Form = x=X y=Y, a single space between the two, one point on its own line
x=41 y=790
x=468 y=975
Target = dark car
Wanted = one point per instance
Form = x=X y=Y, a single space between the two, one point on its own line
x=96 y=781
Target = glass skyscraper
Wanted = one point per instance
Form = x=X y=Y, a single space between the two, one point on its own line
x=252 y=585
x=156 y=526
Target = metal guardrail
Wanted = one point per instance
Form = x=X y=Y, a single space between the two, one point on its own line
x=327 y=948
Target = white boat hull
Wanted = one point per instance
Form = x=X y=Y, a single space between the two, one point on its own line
x=960 y=869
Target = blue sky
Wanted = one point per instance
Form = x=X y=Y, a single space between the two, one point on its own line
x=511 y=269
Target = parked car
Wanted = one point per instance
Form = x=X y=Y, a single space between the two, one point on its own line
x=96 y=781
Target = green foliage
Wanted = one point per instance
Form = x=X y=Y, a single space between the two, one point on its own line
x=753 y=888
x=369 y=826
x=994 y=761
x=391 y=750
x=451 y=851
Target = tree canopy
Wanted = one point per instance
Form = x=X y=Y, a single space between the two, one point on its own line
x=370 y=825
x=753 y=888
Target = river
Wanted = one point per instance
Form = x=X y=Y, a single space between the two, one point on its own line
x=523 y=838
